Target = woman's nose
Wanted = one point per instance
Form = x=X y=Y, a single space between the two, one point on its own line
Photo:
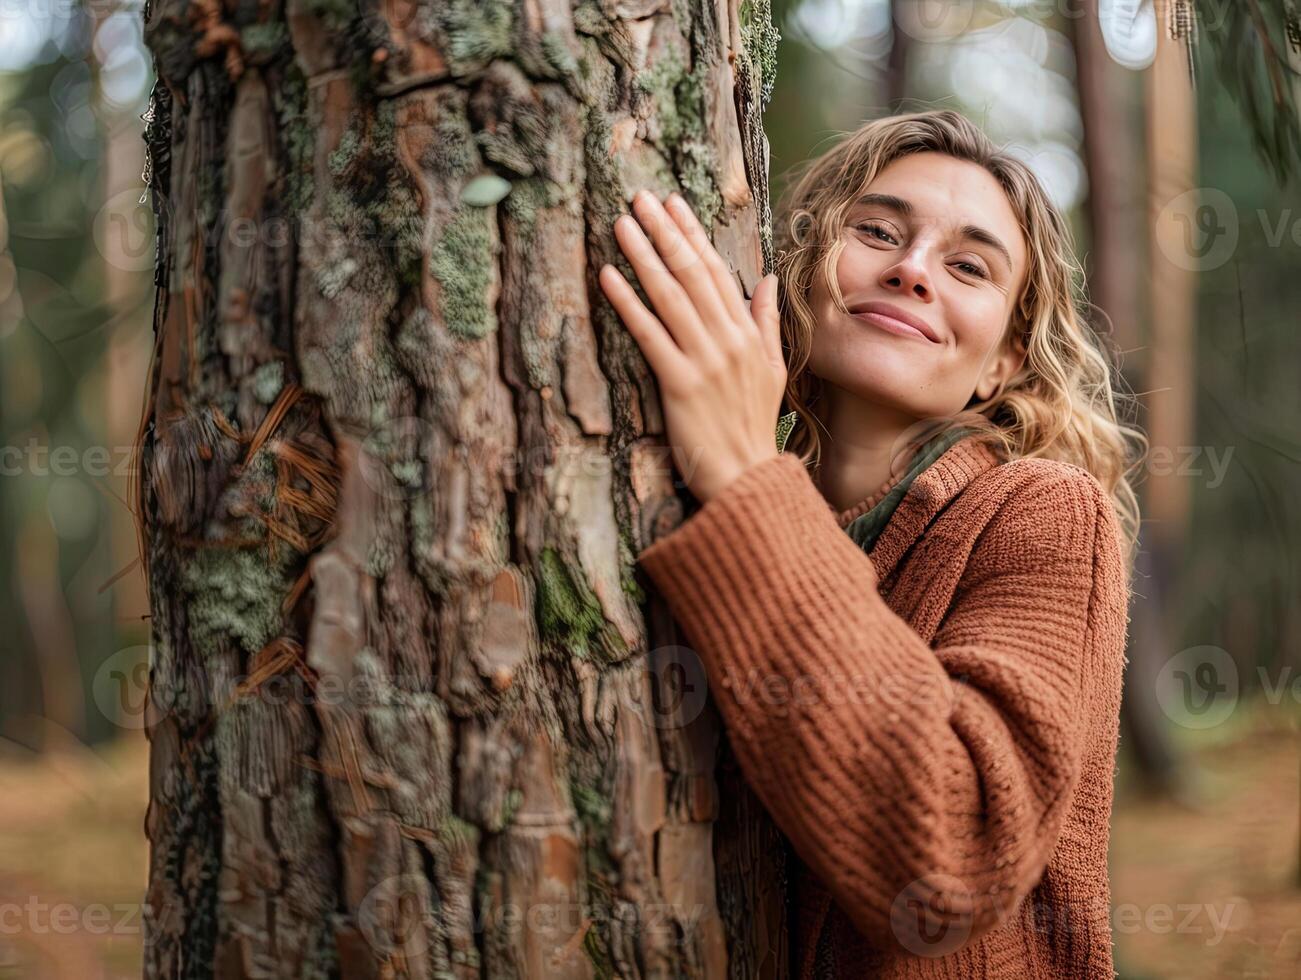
x=909 y=275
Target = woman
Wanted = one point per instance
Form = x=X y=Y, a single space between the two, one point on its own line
x=912 y=615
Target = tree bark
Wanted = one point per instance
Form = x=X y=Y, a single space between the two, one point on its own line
x=1116 y=260
x=1169 y=380
x=412 y=712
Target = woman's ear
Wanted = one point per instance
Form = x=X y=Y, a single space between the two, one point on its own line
x=1009 y=360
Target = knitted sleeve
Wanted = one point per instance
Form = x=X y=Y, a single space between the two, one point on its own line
x=907 y=776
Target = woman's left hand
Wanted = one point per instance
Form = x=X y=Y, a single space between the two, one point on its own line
x=718 y=361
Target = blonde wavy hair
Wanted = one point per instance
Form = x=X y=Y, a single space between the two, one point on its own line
x=1061 y=404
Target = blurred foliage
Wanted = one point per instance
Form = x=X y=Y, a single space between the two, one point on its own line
x=1249 y=44
x=1239 y=587
x=53 y=525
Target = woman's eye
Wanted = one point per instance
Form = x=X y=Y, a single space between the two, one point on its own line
x=879 y=231
x=970 y=269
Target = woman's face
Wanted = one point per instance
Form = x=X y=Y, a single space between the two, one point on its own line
x=933 y=242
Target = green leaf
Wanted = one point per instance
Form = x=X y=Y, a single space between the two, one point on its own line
x=784 y=426
x=485 y=190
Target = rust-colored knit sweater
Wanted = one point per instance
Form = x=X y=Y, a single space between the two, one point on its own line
x=932 y=724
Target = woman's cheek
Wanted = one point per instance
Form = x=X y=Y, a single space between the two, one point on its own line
x=856 y=268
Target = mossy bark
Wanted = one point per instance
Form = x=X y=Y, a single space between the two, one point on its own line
x=412 y=711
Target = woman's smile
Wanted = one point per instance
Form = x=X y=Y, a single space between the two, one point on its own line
x=894 y=320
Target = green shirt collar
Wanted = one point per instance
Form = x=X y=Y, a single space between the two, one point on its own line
x=867 y=527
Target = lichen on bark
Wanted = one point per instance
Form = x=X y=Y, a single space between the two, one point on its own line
x=462 y=262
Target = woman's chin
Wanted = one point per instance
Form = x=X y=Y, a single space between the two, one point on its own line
x=893 y=392
x=883 y=379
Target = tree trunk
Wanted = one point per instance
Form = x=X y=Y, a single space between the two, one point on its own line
x=1116 y=261
x=411 y=711
x=1169 y=381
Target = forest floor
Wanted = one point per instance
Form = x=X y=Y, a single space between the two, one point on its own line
x=1208 y=887
x=73 y=860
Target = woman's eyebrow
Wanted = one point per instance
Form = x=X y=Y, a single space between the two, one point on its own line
x=973 y=232
x=976 y=233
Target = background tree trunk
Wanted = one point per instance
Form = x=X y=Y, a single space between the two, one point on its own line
x=1117 y=260
x=411 y=712
x=1169 y=386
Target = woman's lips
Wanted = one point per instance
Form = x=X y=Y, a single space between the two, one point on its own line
x=892 y=325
